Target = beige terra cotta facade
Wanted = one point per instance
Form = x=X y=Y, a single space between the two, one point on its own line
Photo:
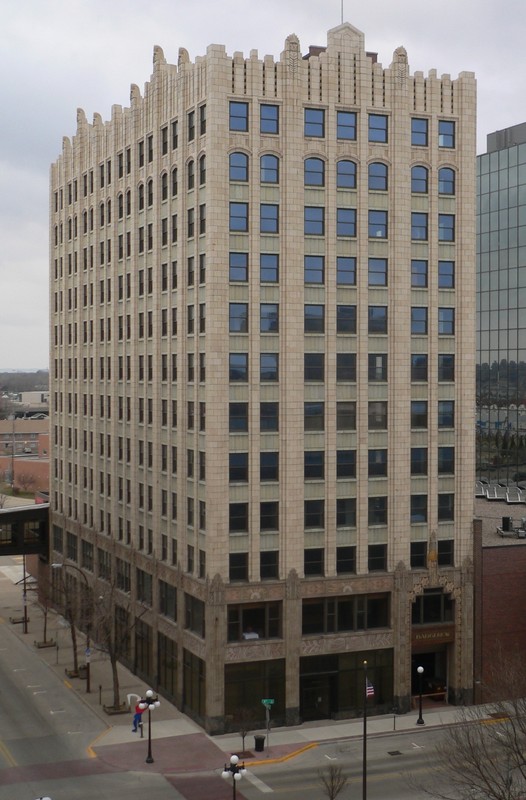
x=140 y=301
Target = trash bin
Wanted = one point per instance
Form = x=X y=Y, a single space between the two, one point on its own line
x=259 y=743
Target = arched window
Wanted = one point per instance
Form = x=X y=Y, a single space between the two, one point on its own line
x=164 y=186
x=446 y=180
x=191 y=174
x=269 y=169
x=346 y=175
x=202 y=169
x=419 y=179
x=174 y=182
x=238 y=167
x=128 y=203
x=149 y=188
x=141 y=196
x=378 y=176
x=314 y=172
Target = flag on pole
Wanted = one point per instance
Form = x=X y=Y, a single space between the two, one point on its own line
x=369 y=688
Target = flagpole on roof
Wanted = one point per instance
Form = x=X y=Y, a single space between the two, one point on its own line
x=364 y=765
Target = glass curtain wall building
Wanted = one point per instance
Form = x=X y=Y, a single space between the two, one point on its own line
x=501 y=299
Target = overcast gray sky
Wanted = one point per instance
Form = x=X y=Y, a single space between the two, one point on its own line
x=57 y=55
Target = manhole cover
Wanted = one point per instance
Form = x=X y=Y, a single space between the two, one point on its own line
x=394 y=752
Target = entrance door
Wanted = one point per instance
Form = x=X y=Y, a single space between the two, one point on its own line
x=316 y=693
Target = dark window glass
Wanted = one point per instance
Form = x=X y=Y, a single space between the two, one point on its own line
x=446 y=274
x=419 y=128
x=419 y=227
x=346 y=415
x=346 y=463
x=238 y=116
x=268 y=417
x=377 y=274
x=446 y=460
x=268 y=317
x=345 y=319
x=314 y=512
x=446 y=227
x=269 y=267
x=238 y=467
x=269 y=516
x=378 y=177
x=346 y=175
x=346 y=367
x=268 y=367
x=314 y=416
x=238 y=518
x=314 y=367
x=446 y=367
x=419 y=320
x=377 y=319
x=314 y=318
x=238 y=318
x=418 y=555
x=419 y=366
x=419 y=273
x=446 y=413
x=446 y=552
x=446 y=321
x=314 y=124
x=314 y=465
x=419 y=413
x=418 y=511
x=313 y=561
x=238 y=367
x=446 y=133
x=446 y=180
x=377 y=367
x=238 y=566
x=238 y=167
x=377 y=557
x=268 y=119
x=377 y=415
x=345 y=559
x=238 y=267
x=419 y=461
x=269 y=564
x=346 y=512
x=346 y=271
x=378 y=128
x=314 y=172
x=346 y=125
x=419 y=179
x=446 y=507
x=377 y=510
x=378 y=463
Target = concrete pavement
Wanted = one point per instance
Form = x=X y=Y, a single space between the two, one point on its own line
x=179 y=745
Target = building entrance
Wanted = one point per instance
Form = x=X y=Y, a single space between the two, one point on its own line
x=317 y=696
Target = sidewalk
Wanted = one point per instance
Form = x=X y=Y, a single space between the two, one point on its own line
x=200 y=752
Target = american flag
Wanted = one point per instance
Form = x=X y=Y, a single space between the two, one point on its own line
x=369 y=688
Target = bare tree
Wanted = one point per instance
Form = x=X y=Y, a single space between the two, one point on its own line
x=244 y=720
x=3 y=498
x=26 y=481
x=483 y=756
x=332 y=780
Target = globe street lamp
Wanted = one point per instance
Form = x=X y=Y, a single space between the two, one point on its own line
x=88 y=619
x=233 y=769
x=420 y=720
x=150 y=701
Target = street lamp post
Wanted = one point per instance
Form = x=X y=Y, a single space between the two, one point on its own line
x=420 y=720
x=150 y=701
x=88 y=621
x=233 y=769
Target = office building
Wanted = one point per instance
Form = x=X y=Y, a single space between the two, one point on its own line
x=262 y=311
x=501 y=299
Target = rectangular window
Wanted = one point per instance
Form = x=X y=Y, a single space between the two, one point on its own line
x=346 y=221
x=238 y=567
x=345 y=271
x=314 y=221
x=377 y=272
x=377 y=367
x=377 y=319
x=238 y=468
x=238 y=367
x=446 y=552
x=446 y=367
x=377 y=224
x=269 y=516
x=446 y=133
x=378 y=128
x=418 y=511
x=238 y=417
x=346 y=463
x=238 y=518
x=377 y=511
x=238 y=267
x=419 y=320
x=268 y=118
x=346 y=512
x=345 y=319
x=268 y=218
x=346 y=415
x=418 y=555
x=346 y=125
x=419 y=366
x=345 y=367
x=268 y=417
x=269 y=467
x=314 y=122
x=446 y=413
x=269 y=565
x=269 y=267
x=314 y=416
x=238 y=220
x=446 y=460
x=419 y=132
x=269 y=317
x=314 y=367
x=238 y=116
x=314 y=514
x=378 y=463
x=238 y=318
x=446 y=321
x=419 y=461
x=419 y=226
x=314 y=561
x=419 y=273
x=446 y=227
x=419 y=414
x=313 y=465
x=446 y=507
x=377 y=415
x=446 y=274
x=314 y=319
x=346 y=560
x=314 y=269
x=268 y=367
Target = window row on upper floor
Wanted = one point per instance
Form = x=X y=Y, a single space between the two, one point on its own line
x=315 y=168
x=346 y=124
